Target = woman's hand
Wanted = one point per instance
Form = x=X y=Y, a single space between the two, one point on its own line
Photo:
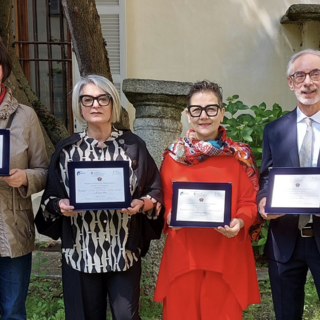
x=169 y=221
x=65 y=208
x=231 y=231
x=136 y=205
x=16 y=178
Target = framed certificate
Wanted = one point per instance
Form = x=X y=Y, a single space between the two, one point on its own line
x=201 y=204
x=293 y=191
x=4 y=152
x=99 y=185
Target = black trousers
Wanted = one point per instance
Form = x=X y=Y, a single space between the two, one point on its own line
x=288 y=279
x=85 y=294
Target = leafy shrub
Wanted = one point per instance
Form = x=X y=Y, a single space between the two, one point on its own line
x=248 y=126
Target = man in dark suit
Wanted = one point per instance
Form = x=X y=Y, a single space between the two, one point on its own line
x=293 y=247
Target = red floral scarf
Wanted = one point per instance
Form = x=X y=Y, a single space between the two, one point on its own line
x=191 y=151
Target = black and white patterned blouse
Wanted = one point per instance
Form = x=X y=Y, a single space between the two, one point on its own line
x=101 y=235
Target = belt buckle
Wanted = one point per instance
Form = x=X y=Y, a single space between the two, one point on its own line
x=307 y=232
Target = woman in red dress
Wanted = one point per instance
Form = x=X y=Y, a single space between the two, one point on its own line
x=209 y=273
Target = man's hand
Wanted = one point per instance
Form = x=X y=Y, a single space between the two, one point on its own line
x=264 y=215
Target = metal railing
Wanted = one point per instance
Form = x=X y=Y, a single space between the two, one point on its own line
x=44 y=50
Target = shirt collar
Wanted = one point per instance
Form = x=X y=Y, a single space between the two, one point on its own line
x=301 y=116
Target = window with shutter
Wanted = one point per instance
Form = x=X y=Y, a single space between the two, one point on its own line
x=112 y=19
x=108 y=2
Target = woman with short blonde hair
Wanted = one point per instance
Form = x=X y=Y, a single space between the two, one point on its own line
x=102 y=249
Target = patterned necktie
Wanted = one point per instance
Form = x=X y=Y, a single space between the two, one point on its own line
x=305 y=157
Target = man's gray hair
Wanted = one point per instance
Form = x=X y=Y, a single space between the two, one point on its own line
x=105 y=85
x=297 y=55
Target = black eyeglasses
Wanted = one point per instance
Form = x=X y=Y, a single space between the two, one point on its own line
x=211 y=110
x=103 y=100
x=300 y=76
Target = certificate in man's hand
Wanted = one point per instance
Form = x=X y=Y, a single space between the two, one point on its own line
x=4 y=152
x=99 y=185
x=293 y=191
x=201 y=204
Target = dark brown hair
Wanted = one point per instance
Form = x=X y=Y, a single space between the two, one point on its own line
x=5 y=62
x=205 y=85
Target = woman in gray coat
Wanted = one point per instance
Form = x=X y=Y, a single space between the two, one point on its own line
x=28 y=170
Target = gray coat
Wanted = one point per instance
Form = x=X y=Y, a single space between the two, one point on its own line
x=27 y=152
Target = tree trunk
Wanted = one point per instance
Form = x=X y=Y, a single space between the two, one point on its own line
x=54 y=130
x=88 y=43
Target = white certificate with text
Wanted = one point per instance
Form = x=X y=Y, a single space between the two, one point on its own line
x=201 y=205
x=99 y=185
x=296 y=191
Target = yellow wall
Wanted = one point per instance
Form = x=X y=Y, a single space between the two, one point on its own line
x=238 y=43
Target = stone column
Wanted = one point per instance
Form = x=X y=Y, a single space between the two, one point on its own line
x=308 y=16
x=158 y=107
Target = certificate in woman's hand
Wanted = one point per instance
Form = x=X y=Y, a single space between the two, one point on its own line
x=201 y=204
x=99 y=185
x=4 y=152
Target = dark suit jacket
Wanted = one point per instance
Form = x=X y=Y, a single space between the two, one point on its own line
x=280 y=149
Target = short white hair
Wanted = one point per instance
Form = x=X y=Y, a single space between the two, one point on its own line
x=297 y=55
x=103 y=84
